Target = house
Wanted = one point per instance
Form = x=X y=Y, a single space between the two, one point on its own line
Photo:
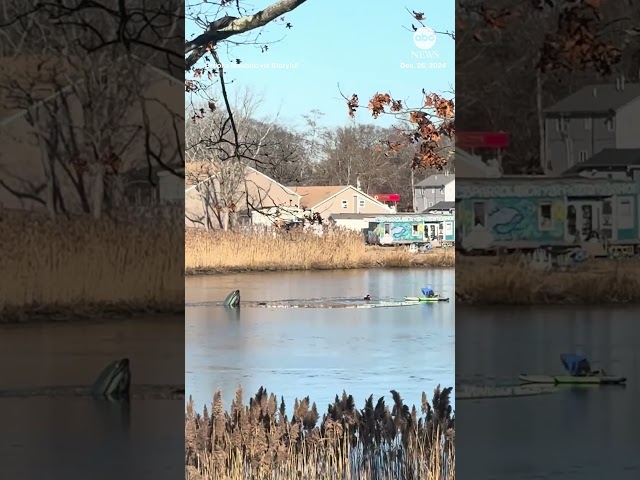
x=219 y=196
x=613 y=163
x=528 y=212
x=433 y=189
x=171 y=187
x=586 y=122
x=403 y=229
x=472 y=166
x=25 y=180
x=329 y=200
x=357 y=222
x=442 y=208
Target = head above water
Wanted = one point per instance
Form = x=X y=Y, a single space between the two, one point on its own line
x=233 y=299
x=114 y=381
x=367 y=297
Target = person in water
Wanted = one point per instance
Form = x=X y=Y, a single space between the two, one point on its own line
x=367 y=297
x=584 y=368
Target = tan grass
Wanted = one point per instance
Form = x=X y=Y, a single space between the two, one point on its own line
x=512 y=281
x=76 y=264
x=218 y=251
x=260 y=441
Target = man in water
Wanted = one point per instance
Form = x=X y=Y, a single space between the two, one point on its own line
x=584 y=368
x=367 y=297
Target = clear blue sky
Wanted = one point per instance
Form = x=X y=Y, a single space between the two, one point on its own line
x=357 y=43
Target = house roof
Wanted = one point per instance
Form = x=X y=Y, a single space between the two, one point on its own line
x=45 y=74
x=441 y=206
x=608 y=158
x=312 y=196
x=472 y=166
x=352 y=216
x=607 y=97
x=434 y=181
x=316 y=195
x=199 y=172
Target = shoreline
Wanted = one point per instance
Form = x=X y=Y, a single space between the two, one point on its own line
x=509 y=281
x=279 y=269
x=41 y=315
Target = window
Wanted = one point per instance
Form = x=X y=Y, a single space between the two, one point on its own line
x=414 y=229
x=610 y=125
x=545 y=220
x=361 y=202
x=582 y=156
x=448 y=228
x=607 y=219
x=433 y=190
x=625 y=213
x=345 y=203
x=586 y=229
x=479 y=214
x=431 y=204
x=571 y=221
x=387 y=228
x=588 y=123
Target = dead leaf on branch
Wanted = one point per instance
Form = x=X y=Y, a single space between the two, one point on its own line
x=417 y=116
x=394 y=146
x=377 y=104
x=352 y=105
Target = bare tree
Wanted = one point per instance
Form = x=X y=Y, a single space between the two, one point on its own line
x=86 y=122
x=218 y=168
x=543 y=50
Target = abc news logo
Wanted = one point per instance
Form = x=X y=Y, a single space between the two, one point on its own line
x=424 y=38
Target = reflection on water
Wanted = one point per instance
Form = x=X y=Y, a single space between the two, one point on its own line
x=319 y=352
x=79 y=438
x=578 y=433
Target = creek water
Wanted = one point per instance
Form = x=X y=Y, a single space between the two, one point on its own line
x=319 y=352
x=586 y=432
x=79 y=438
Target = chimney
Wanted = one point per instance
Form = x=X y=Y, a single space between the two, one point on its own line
x=595 y=92
x=358 y=182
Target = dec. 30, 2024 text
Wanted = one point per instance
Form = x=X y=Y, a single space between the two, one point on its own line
x=423 y=65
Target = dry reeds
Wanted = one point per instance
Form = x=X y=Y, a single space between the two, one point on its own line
x=260 y=441
x=512 y=281
x=69 y=265
x=221 y=252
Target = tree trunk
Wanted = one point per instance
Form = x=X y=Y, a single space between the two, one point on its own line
x=97 y=191
x=542 y=147
x=225 y=219
x=413 y=191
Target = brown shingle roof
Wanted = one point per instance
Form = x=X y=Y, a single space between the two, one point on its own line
x=39 y=75
x=312 y=196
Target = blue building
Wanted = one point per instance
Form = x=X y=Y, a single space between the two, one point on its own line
x=522 y=212
x=402 y=229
